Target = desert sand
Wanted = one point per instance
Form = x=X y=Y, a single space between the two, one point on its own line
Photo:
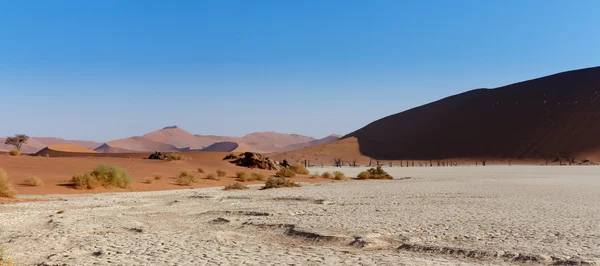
x=496 y=215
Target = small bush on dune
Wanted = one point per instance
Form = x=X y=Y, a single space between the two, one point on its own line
x=33 y=182
x=186 y=178
x=337 y=175
x=148 y=181
x=157 y=177
x=174 y=157
x=285 y=172
x=375 y=173
x=327 y=175
x=314 y=175
x=14 y=153
x=104 y=175
x=299 y=169
x=212 y=176
x=221 y=173
x=258 y=176
x=242 y=176
x=236 y=186
x=47 y=155
x=201 y=170
x=6 y=190
x=279 y=182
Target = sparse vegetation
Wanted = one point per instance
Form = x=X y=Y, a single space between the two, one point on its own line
x=47 y=155
x=221 y=173
x=258 y=176
x=327 y=175
x=157 y=177
x=236 y=186
x=375 y=173
x=33 y=182
x=104 y=175
x=14 y=153
x=279 y=182
x=186 y=178
x=18 y=140
x=252 y=177
x=6 y=190
x=285 y=172
x=314 y=175
x=174 y=157
x=299 y=169
x=241 y=175
x=5 y=260
x=201 y=170
x=212 y=176
x=337 y=175
x=148 y=181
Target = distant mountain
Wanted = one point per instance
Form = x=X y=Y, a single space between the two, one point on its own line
x=328 y=139
x=36 y=144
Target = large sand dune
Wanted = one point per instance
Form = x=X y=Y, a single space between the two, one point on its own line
x=35 y=144
x=62 y=149
x=540 y=118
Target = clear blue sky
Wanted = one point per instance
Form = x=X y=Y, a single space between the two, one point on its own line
x=107 y=69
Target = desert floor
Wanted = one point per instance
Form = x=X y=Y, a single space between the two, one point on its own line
x=439 y=216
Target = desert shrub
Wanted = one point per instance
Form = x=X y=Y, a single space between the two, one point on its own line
x=174 y=157
x=337 y=175
x=201 y=170
x=242 y=176
x=157 y=177
x=148 y=181
x=6 y=190
x=14 y=153
x=364 y=175
x=236 y=186
x=375 y=173
x=285 y=172
x=279 y=182
x=327 y=175
x=47 y=155
x=5 y=260
x=186 y=178
x=212 y=176
x=104 y=175
x=314 y=175
x=230 y=156
x=299 y=169
x=221 y=173
x=33 y=182
x=258 y=176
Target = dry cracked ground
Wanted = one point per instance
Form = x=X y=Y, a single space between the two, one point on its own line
x=454 y=216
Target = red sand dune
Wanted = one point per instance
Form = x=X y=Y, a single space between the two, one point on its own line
x=328 y=139
x=273 y=141
x=135 y=144
x=60 y=149
x=535 y=119
x=37 y=143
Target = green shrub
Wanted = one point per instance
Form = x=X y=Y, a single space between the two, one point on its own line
x=34 y=182
x=285 y=172
x=337 y=175
x=221 y=173
x=279 y=182
x=104 y=175
x=14 y=153
x=6 y=190
x=327 y=175
x=299 y=169
x=236 y=186
x=186 y=178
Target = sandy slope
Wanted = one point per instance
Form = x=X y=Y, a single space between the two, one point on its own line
x=35 y=144
x=465 y=215
x=537 y=119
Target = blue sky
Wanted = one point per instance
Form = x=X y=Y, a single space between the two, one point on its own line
x=101 y=70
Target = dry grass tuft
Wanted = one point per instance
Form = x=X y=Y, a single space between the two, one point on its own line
x=285 y=172
x=33 y=182
x=157 y=177
x=374 y=173
x=212 y=176
x=236 y=186
x=6 y=190
x=337 y=175
x=241 y=175
x=14 y=153
x=174 y=157
x=258 y=176
x=314 y=175
x=201 y=170
x=5 y=260
x=148 y=181
x=221 y=173
x=327 y=175
x=104 y=175
x=299 y=169
x=186 y=178
x=278 y=182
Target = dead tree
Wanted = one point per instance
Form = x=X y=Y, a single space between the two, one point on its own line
x=353 y=163
x=483 y=162
x=337 y=162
